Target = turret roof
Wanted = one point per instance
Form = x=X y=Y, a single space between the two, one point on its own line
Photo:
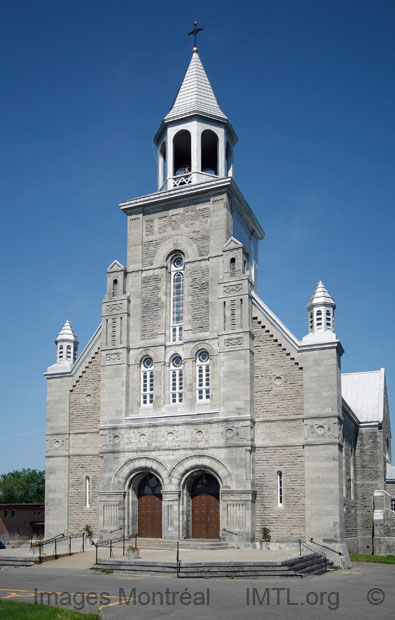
x=195 y=95
x=67 y=333
x=320 y=296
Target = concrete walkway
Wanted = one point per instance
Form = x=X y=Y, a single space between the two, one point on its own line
x=87 y=559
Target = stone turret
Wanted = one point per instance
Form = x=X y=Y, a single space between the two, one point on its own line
x=66 y=350
x=321 y=310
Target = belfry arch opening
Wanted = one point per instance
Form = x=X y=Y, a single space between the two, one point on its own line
x=162 y=164
x=182 y=153
x=209 y=152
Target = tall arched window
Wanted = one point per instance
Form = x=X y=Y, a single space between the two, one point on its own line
x=68 y=352
x=147 y=381
x=203 y=376
x=177 y=297
x=280 y=489
x=60 y=352
x=176 y=380
x=87 y=492
x=115 y=288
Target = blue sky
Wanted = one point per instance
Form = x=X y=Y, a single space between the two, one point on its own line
x=309 y=88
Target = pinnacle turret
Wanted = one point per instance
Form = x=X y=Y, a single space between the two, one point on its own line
x=321 y=308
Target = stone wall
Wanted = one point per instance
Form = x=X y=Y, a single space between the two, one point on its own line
x=278 y=411
x=369 y=478
x=84 y=446
x=349 y=483
x=286 y=522
x=278 y=378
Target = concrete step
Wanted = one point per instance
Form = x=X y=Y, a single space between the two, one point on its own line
x=158 y=543
x=17 y=560
x=312 y=564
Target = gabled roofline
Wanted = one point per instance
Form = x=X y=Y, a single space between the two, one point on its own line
x=350 y=412
x=288 y=335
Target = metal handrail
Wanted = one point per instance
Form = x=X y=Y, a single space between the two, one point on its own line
x=110 y=541
x=229 y=531
x=325 y=547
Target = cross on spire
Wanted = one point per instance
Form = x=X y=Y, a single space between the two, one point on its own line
x=195 y=32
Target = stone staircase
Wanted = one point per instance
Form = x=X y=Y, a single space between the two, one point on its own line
x=17 y=560
x=300 y=566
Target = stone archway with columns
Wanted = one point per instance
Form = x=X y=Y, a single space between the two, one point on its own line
x=119 y=503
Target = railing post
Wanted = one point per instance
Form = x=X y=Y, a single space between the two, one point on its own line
x=56 y=549
x=40 y=559
x=178 y=558
x=111 y=555
x=123 y=545
x=83 y=541
x=96 y=553
x=300 y=546
x=69 y=545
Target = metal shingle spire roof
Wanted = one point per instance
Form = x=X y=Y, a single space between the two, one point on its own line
x=320 y=296
x=67 y=333
x=196 y=95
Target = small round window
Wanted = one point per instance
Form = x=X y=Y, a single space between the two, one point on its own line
x=177 y=361
x=148 y=363
x=203 y=357
x=178 y=261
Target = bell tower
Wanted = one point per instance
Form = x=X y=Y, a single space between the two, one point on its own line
x=195 y=140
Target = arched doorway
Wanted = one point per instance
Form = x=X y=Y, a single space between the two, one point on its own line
x=149 y=511
x=205 y=517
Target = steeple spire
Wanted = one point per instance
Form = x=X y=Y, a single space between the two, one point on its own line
x=195 y=140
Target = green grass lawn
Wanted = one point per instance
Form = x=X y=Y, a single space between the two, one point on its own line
x=380 y=559
x=12 y=610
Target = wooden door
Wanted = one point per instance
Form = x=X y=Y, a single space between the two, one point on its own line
x=150 y=507
x=205 y=507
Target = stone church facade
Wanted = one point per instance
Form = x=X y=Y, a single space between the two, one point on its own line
x=193 y=412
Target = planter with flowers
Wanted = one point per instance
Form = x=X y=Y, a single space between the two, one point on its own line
x=133 y=552
x=265 y=538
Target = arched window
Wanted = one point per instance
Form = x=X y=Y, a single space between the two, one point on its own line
x=203 y=376
x=176 y=380
x=68 y=352
x=147 y=381
x=318 y=318
x=115 y=288
x=280 y=488
x=232 y=267
x=311 y=324
x=177 y=298
x=60 y=352
x=87 y=492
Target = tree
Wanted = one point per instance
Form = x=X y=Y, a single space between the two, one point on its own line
x=24 y=486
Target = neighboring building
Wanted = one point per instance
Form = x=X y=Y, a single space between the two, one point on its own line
x=193 y=412
x=21 y=521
